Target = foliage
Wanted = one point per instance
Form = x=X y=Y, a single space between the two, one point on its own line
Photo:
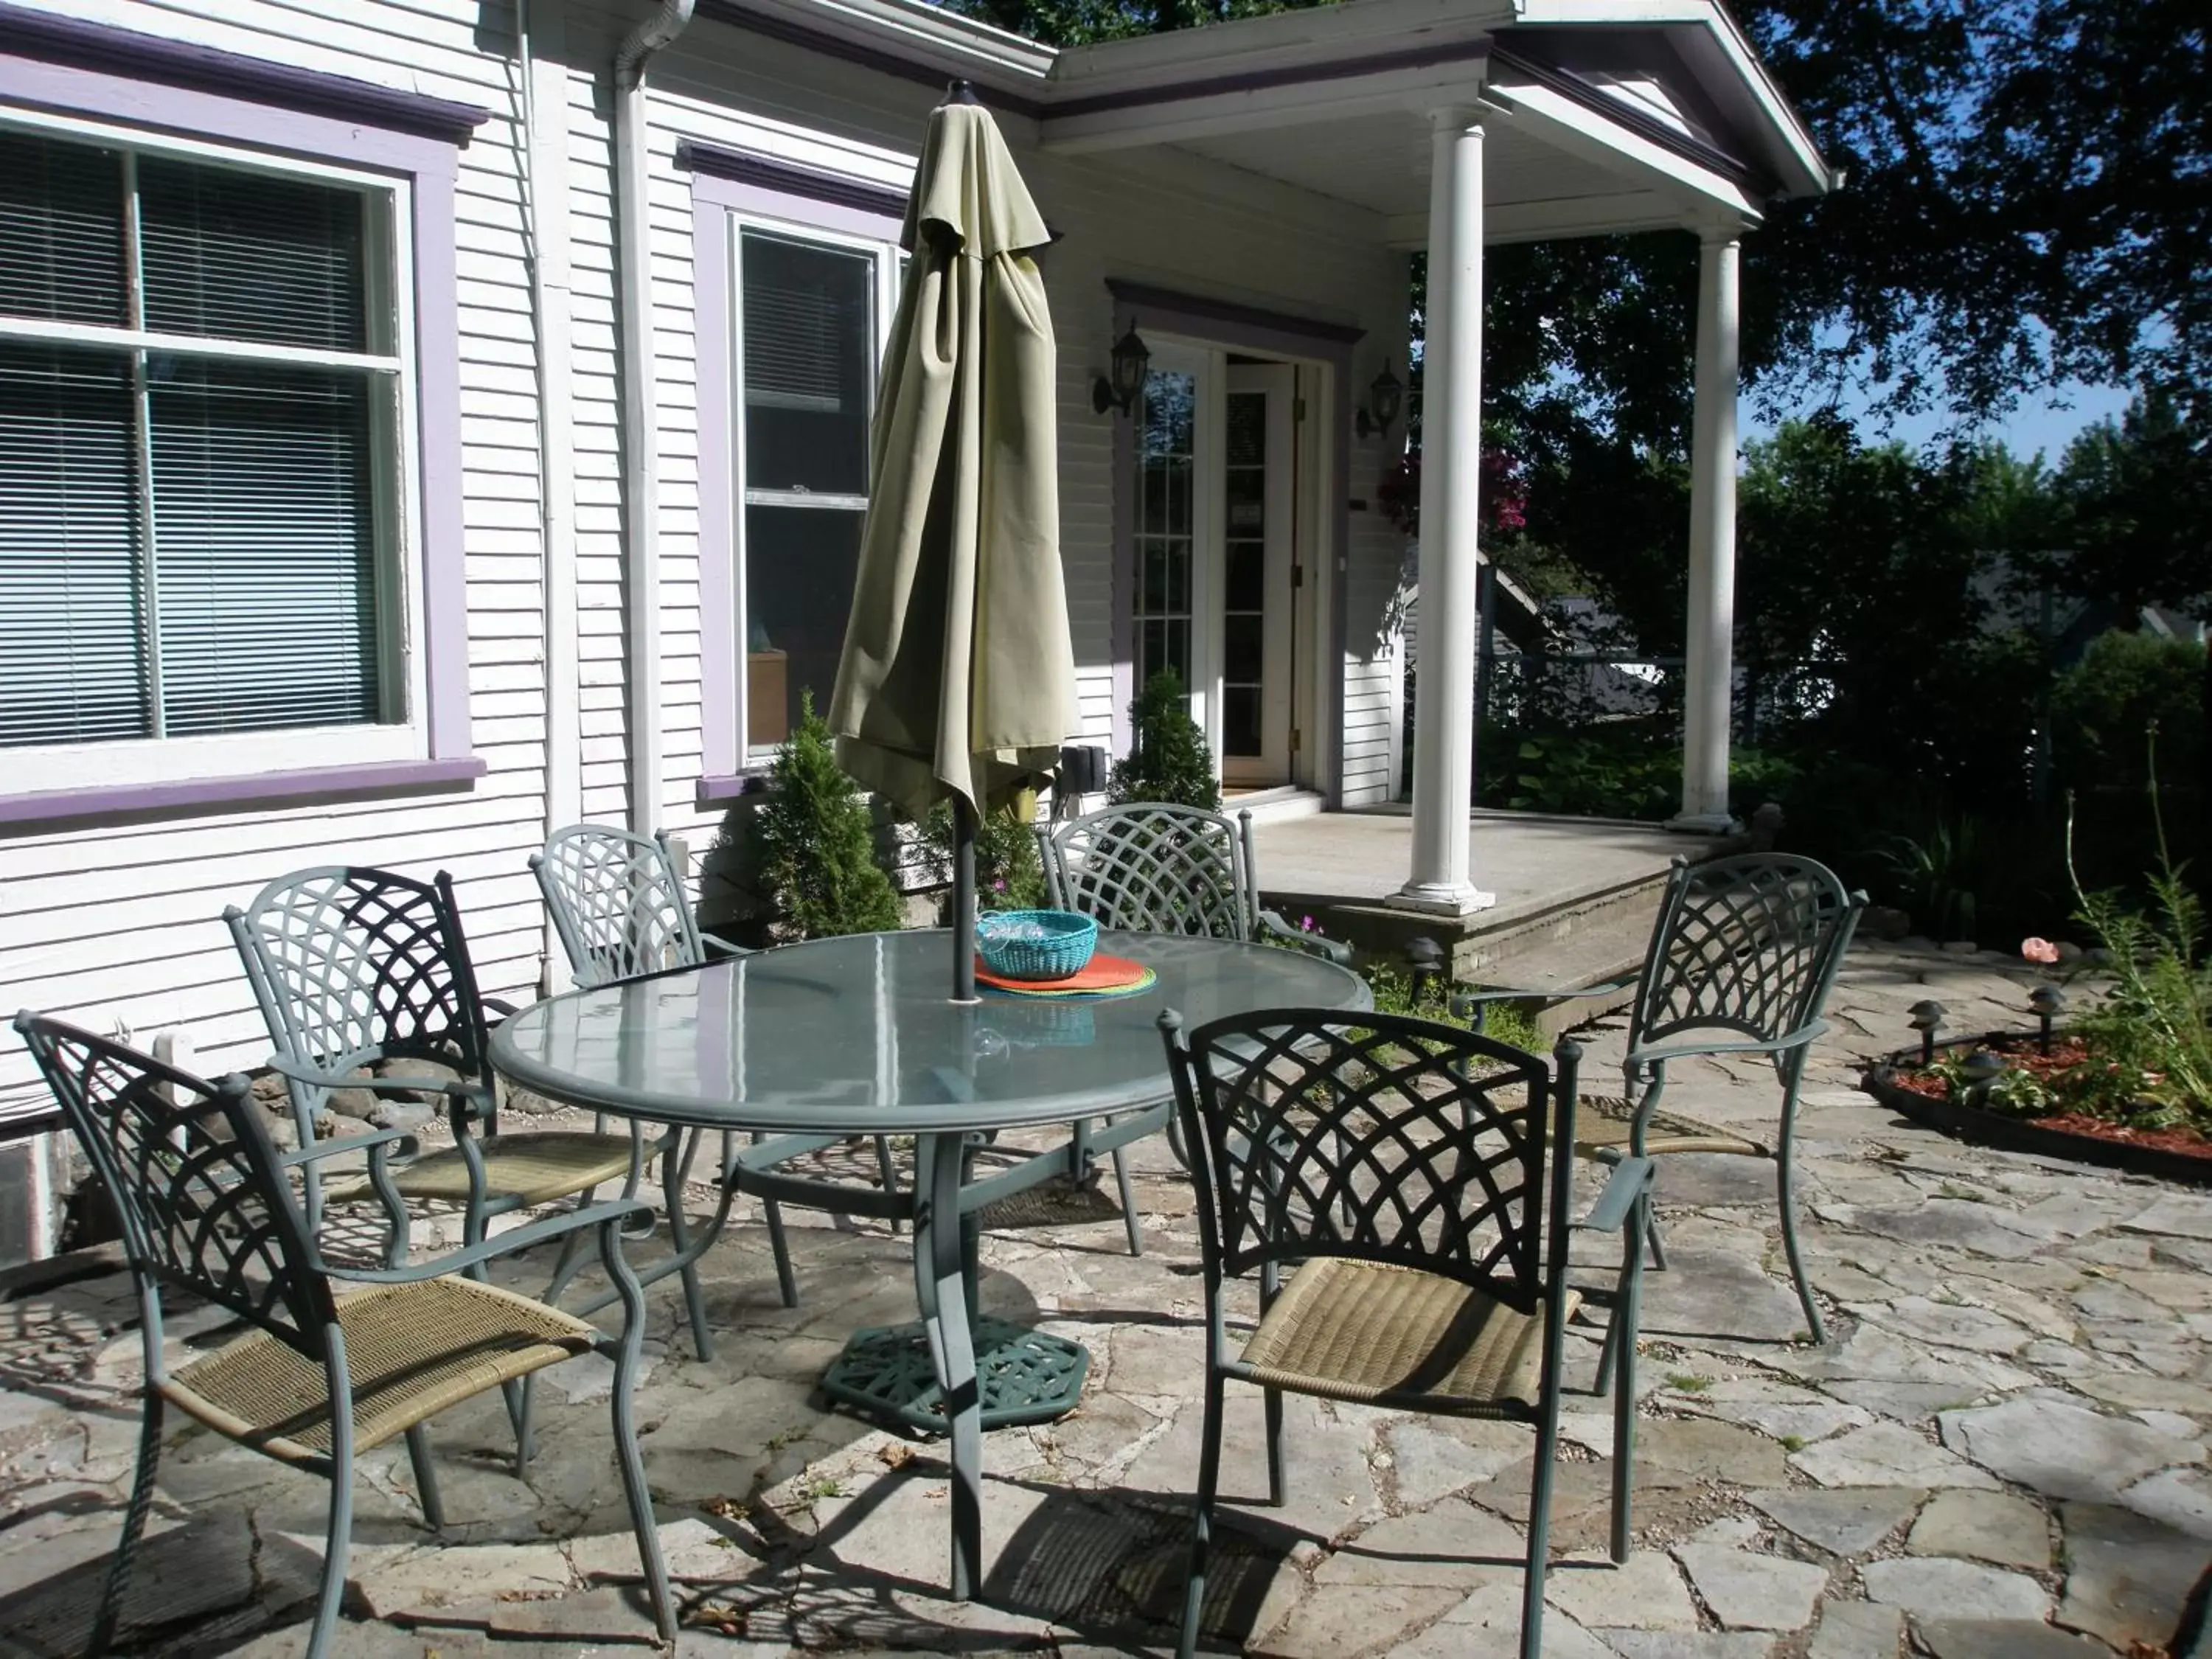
x=2151 y=1037
x=1168 y=760
x=2124 y=685
x=2135 y=501
x=1009 y=870
x=1615 y=771
x=1939 y=876
x=818 y=845
x=1393 y=989
x=2014 y=1092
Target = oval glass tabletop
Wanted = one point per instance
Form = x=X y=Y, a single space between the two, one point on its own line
x=858 y=1036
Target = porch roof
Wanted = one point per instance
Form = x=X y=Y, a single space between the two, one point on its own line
x=1604 y=116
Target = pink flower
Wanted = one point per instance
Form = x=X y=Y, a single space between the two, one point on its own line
x=2038 y=950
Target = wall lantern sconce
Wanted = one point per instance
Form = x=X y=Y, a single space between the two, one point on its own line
x=1131 y=358
x=1386 y=397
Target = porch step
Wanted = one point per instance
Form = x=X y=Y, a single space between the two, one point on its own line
x=1562 y=940
x=1276 y=806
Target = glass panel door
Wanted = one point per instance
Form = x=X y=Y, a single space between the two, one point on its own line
x=1173 y=607
x=1256 y=588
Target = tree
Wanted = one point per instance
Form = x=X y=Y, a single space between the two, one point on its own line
x=2137 y=499
x=1167 y=759
x=818 y=845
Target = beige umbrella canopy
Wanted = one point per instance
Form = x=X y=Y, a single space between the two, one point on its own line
x=958 y=677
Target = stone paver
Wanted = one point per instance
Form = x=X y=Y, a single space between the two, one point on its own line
x=1753 y=1592
x=1851 y=1521
x=1999 y=1454
x=2063 y=1449
x=1937 y=1588
x=1984 y=1526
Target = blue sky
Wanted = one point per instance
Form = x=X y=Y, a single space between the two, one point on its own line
x=2047 y=422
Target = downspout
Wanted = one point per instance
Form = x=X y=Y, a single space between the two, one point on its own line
x=545 y=221
x=640 y=451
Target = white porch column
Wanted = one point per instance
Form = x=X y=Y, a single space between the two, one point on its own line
x=1451 y=430
x=1710 y=670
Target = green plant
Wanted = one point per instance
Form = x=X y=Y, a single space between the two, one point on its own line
x=1393 y=990
x=2014 y=1092
x=2149 y=1039
x=816 y=843
x=1009 y=872
x=1167 y=759
x=1688 y=1383
x=1939 y=876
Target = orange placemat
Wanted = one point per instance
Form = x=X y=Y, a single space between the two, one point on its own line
x=1101 y=976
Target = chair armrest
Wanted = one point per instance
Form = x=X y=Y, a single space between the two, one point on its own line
x=451 y=1088
x=322 y=1149
x=1631 y=1180
x=715 y=942
x=1276 y=928
x=1667 y=1051
x=499 y=1005
x=490 y=1249
x=1463 y=1001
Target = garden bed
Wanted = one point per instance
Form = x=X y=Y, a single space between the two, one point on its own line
x=1903 y=1084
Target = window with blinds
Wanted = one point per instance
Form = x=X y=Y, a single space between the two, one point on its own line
x=807 y=351
x=200 y=394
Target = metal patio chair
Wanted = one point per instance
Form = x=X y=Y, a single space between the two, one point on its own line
x=1402 y=1168
x=355 y=970
x=1157 y=867
x=337 y=1360
x=1151 y=867
x=618 y=906
x=1742 y=955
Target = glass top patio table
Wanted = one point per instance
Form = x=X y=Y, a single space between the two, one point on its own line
x=858 y=1036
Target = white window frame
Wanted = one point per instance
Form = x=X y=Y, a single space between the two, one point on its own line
x=889 y=260
x=403 y=734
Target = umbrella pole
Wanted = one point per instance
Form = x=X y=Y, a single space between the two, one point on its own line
x=964 y=900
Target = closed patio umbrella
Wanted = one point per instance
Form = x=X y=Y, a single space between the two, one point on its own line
x=957 y=679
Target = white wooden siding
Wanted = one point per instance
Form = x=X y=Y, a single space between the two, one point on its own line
x=120 y=926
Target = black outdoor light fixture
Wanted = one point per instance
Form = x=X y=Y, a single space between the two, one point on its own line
x=1386 y=398
x=1131 y=358
x=2049 y=1002
x=1927 y=1019
x=1981 y=1068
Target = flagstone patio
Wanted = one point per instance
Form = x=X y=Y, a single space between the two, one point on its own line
x=1999 y=1455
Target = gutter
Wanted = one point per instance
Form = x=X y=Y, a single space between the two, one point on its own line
x=639 y=450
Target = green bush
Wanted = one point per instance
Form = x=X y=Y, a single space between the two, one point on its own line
x=2101 y=707
x=1168 y=760
x=1009 y=871
x=816 y=843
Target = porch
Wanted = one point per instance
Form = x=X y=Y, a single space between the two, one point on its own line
x=1575 y=896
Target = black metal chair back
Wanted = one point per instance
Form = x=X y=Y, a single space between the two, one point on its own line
x=205 y=1207
x=1749 y=945
x=1381 y=1139
x=1149 y=867
x=353 y=966
x=617 y=903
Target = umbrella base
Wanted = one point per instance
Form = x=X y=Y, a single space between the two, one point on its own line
x=1025 y=1376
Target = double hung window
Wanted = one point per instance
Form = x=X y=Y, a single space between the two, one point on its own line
x=808 y=330
x=204 y=388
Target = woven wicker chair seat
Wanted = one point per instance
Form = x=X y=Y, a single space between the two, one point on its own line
x=412 y=1350
x=536 y=1167
x=1375 y=1332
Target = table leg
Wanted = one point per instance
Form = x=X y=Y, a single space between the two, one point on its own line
x=941 y=1287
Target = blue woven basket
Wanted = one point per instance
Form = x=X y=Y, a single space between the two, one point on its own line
x=1037 y=944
